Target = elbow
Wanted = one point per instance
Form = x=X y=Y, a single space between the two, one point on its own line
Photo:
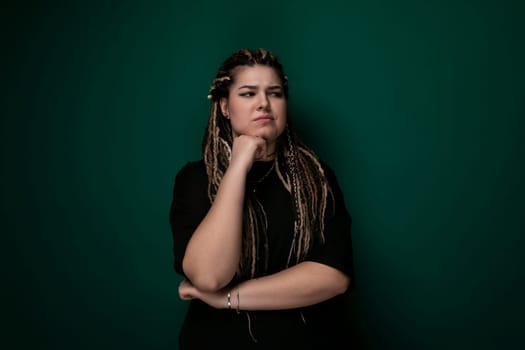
x=334 y=281
x=205 y=281
x=206 y=284
x=342 y=284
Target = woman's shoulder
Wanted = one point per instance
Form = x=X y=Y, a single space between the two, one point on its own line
x=192 y=171
x=194 y=166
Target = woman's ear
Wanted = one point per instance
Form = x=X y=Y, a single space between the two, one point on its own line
x=223 y=102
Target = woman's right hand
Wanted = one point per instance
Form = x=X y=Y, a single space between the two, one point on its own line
x=247 y=149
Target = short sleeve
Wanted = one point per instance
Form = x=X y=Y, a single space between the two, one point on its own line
x=189 y=206
x=336 y=250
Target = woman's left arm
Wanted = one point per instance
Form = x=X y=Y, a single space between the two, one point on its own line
x=302 y=285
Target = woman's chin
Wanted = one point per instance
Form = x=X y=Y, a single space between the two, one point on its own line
x=268 y=135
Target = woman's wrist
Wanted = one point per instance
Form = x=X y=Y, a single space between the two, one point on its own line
x=238 y=169
x=233 y=300
x=238 y=306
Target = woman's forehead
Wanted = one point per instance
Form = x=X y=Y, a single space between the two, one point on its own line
x=255 y=75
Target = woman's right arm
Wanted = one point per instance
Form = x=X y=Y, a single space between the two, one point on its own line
x=213 y=252
x=212 y=255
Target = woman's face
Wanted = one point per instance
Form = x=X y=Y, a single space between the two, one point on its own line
x=256 y=104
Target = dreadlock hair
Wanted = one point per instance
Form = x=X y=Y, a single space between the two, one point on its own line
x=297 y=166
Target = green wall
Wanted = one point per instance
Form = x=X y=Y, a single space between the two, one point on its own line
x=417 y=105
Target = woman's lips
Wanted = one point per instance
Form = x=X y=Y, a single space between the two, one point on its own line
x=265 y=117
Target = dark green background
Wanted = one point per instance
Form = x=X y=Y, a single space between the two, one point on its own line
x=417 y=105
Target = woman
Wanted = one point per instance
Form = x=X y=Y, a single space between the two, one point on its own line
x=260 y=228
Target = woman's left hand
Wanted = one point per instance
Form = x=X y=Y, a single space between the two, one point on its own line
x=187 y=291
x=217 y=299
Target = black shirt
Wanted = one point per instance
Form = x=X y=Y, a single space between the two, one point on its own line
x=273 y=328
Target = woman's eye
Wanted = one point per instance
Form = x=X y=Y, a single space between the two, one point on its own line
x=276 y=94
x=247 y=94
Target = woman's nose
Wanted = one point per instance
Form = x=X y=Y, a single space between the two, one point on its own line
x=264 y=102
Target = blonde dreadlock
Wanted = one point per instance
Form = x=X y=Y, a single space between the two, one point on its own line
x=297 y=166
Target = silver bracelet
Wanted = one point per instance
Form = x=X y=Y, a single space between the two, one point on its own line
x=238 y=309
